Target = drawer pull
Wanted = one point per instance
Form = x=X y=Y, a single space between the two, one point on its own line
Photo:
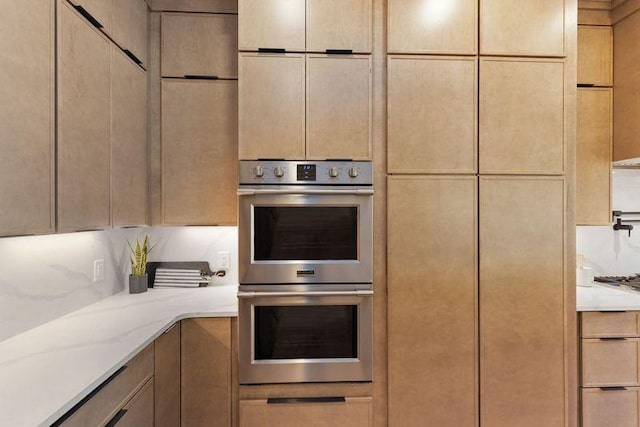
x=132 y=56
x=282 y=400
x=613 y=339
x=197 y=77
x=88 y=16
x=116 y=418
x=586 y=85
x=613 y=388
x=338 y=51
x=271 y=50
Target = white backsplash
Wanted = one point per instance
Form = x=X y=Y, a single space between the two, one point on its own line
x=45 y=277
x=611 y=252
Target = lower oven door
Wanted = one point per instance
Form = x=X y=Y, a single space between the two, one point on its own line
x=297 y=337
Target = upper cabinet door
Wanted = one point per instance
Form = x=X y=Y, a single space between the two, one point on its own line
x=339 y=101
x=27 y=117
x=432 y=114
x=199 y=45
x=272 y=24
x=519 y=137
x=98 y=10
x=525 y=28
x=339 y=25
x=130 y=28
x=433 y=26
x=595 y=55
x=271 y=97
x=83 y=124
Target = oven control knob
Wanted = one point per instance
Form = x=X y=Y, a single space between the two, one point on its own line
x=258 y=171
x=278 y=171
x=333 y=172
x=353 y=172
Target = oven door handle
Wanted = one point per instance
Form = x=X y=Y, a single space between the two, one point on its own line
x=245 y=294
x=257 y=192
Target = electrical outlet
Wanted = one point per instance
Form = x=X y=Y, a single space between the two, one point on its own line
x=223 y=260
x=98 y=270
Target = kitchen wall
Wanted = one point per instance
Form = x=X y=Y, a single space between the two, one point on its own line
x=45 y=277
x=612 y=252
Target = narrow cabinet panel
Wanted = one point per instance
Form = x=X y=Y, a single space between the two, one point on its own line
x=595 y=55
x=128 y=141
x=130 y=28
x=432 y=301
x=200 y=45
x=271 y=97
x=593 y=156
x=199 y=152
x=522 y=308
x=27 y=117
x=274 y=24
x=99 y=10
x=167 y=378
x=518 y=137
x=433 y=26
x=526 y=28
x=83 y=123
x=339 y=99
x=339 y=24
x=432 y=114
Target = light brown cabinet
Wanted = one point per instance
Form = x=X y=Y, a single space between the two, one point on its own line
x=138 y=412
x=167 y=378
x=128 y=141
x=353 y=412
x=271 y=24
x=608 y=362
x=611 y=407
x=206 y=372
x=27 y=127
x=521 y=116
x=339 y=25
x=593 y=156
x=83 y=123
x=338 y=107
x=522 y=301
x=98 y=10
x=432 y=26
x=199 y=45
x=199 y=152
x=610 y=324
x=432 y=301
x=529 y=28
x=432 y=114
x=271 y=97
x=595 y=55
x=130 y=28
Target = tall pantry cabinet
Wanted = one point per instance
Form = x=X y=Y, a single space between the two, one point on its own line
x=478 y=300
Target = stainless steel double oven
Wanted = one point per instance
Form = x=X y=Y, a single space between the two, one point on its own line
x=306 y=271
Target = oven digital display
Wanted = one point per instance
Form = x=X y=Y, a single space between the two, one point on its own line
x=306 y=172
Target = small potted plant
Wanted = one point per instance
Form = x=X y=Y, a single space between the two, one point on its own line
x=139 y=280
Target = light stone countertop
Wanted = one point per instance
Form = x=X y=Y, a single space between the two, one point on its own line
x=45 y=371
x=606 y=298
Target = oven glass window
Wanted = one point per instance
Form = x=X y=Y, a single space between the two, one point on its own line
x=305 y=233
x=306 y=332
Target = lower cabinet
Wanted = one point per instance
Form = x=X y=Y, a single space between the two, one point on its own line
x=139 y=411
x=320 y=412
x=615 y=407
x=167 y=378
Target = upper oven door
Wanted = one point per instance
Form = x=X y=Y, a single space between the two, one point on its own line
x=305 y=236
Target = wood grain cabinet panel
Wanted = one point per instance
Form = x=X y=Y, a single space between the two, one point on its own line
x=432 y=334
x=167 y=378
x=432 y=114
x=100 y=10
x=353 y=412
x=203 y=6
x=433 y=26
x=610 y=362
x=206 y=372
x=603 y=408
x=199 y=152
x=595 y=55
x=521 y=116
x=609 y=324
x=27 y=128
x=139 y=410
x=84 y=86
x=278 y=24
x=350 y=25
x=339 y=107
x=522 y=307
x=128 y=141
x=271 y=97
x=130 y=27
x=522 y=28
x=200 y=45
x=594 y=140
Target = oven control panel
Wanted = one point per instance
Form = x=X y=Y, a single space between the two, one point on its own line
x=282 y=172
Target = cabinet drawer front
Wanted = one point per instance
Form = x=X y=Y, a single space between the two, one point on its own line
x=105 y=403
x=617 y=408
x=353 y=412
x=610 y=363
x=610 y=324
x=138 y=412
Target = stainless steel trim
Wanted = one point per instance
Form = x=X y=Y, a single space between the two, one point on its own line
x=252 y=192
x=244 y=294
x=283 y=172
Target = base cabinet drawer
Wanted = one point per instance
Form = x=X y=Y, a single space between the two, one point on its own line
x=610 y=362
x=321 y=412
x=610 y=324
x=615 y=407
x=138 y=412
